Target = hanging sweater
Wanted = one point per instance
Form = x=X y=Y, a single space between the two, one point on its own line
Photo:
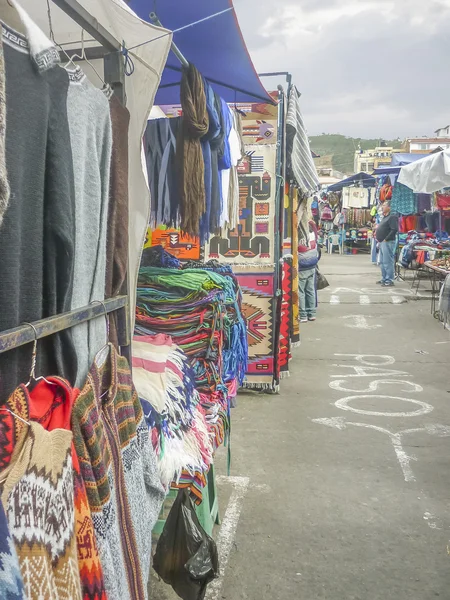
x=11 y=585
x=119 y=468
x=4 y=185
x=50 y=403
x=91 y=141
x=37 y=235
x=117 y=234
x=37 y=492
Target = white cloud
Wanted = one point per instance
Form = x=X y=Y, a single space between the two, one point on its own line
x=382 y=64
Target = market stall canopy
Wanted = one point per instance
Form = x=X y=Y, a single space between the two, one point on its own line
x=215 y=46
x=429 y=174
x=398 y=160
x=364 y=178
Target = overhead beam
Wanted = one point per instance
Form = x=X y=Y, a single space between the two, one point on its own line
x=89 y=23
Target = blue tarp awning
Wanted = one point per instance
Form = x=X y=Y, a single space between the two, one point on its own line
x=387 y=171
x=398 y=160
x=364 y=178
x=216 y=47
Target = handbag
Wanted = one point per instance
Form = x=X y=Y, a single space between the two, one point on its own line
x=322 y=281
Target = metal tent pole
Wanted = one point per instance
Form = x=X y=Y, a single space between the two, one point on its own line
x=154 y=19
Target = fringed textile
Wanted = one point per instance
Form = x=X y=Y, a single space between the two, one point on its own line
x=191 y=167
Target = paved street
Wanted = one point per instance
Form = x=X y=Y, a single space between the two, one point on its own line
x=341 y=484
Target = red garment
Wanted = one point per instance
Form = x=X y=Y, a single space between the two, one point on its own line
x=386 y=192
x=443 y=201
x=50 y=403
x=411 y=223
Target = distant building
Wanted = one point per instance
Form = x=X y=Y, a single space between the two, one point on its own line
x=443 y=131
x=425 y=145
x=328 y=176
x=368 y=160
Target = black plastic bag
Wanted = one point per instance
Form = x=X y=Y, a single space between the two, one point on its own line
x=322 y=281
x=186 y=557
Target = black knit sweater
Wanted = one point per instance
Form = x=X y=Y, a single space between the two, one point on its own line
x=37 y=236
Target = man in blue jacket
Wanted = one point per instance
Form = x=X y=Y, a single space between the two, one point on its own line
x=386 y=235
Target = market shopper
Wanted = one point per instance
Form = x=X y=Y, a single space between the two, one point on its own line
x=308 y=257
x=386 y=235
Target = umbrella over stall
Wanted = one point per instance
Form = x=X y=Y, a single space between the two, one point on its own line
x=208 y=35
x=427 y=175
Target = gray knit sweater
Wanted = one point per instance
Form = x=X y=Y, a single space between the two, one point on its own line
x=91 y=140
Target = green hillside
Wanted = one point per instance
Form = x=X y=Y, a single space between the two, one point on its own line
x=341 y=149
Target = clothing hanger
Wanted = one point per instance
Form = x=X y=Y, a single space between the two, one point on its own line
x=84 y=57
x=102 y=354
x=33 y=377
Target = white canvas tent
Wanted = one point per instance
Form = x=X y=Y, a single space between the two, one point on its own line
x=427 y=175
x=140 y=89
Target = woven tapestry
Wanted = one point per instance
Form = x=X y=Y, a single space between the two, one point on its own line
x=284 y=346
x=252 y=241
x=260 y=125
x=287 y=248
x=258 y=298
x=295 y=323
x=181 y=245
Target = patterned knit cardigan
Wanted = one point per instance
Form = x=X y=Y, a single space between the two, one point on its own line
x=50 y=404
x=119 y=469
x=38 y=496
x=11 y=586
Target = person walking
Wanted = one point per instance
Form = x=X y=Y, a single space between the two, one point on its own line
x=308 y=257
x=386 y=235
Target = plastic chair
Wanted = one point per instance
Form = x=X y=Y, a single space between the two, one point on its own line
x=335 y=239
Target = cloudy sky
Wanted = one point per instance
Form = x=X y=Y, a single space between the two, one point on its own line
x=368 y=68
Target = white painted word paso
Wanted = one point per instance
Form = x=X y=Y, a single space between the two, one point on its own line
x=365 y=395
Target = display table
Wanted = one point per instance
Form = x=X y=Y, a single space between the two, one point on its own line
x=437 y=278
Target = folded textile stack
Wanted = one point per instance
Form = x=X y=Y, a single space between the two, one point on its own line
x=165 y=384
x=199 y=306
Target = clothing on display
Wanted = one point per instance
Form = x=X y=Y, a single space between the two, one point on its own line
x=355 y=217
x=354 y=197
x=190 y=165
x=91 y=141
x=206 y=321
x=213 y=130
x=404 y=200
x=295 y=327
x=176 y=420
x=283 y=356
x=79 y=478
x=37 y=241
x=301 y=167
x=118 y=208
x=119 y=468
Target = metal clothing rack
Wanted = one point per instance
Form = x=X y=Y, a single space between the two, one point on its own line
x=110 y=51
